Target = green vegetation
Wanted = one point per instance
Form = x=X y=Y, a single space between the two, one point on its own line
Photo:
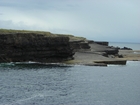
x=72 y=38
x=6 y=31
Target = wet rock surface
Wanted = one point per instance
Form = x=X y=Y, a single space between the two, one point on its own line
x=103 y=55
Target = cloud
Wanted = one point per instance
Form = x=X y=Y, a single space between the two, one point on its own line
x=108 y=20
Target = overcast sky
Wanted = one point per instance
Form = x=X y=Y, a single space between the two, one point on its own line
x=100 y=20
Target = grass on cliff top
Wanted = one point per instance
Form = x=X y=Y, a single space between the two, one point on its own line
x=6 y=31
x=72 y=37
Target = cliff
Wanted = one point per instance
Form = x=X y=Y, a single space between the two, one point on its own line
x=39 y=46
x=20 y=47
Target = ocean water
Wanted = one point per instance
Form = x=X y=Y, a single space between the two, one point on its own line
x=134 y=46
x=42 y=84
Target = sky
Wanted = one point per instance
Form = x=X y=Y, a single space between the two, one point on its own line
x=100 y=20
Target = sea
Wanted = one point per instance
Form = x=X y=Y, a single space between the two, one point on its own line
x=31 y=83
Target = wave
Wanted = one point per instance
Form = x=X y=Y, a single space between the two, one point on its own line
x=34 y=64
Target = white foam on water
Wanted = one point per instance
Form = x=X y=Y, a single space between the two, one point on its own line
x=32 y=97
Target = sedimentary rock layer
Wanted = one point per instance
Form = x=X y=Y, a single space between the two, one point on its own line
x=19 y=47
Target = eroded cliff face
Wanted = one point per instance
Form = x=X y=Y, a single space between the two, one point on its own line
x=20 y=47
x=79 y=45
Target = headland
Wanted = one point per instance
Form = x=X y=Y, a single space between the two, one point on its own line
x=46 y=47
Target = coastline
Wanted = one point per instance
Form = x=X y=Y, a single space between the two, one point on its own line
x=96 y=58
x=36 y=46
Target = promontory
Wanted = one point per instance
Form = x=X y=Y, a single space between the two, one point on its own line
x=46 y=47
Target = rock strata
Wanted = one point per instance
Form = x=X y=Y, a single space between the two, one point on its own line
x=79 y=45
x=97 y=55
x=101 y=43
x=38 y=46
x=104 y=49
x=20 y=47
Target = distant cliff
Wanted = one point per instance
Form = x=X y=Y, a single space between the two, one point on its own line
x=27 y=46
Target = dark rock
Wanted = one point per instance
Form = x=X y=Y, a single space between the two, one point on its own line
x=101 y=43
x=90 y=41
x=21 y=47
x=105 y=54
x=120 y=56
x=78 y=45
x=112 y=51
x=96 y=64
x=117 y=62
x=102 y=48
x=125 y=48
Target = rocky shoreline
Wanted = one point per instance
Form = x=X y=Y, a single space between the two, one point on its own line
x=57 y=48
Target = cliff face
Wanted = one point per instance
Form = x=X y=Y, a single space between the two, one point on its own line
x=79 y=45
x=20 y=47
